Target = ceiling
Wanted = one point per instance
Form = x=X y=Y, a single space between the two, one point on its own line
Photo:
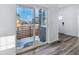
x=59 y=5
x=51 y=5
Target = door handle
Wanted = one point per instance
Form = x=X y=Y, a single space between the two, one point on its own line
x=63 y=23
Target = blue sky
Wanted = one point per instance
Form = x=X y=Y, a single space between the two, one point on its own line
x=27 y=13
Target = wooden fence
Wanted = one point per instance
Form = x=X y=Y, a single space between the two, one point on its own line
x=26 y=31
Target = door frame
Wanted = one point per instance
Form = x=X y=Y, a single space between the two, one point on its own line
x=27 y=49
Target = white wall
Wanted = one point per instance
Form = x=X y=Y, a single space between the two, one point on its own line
x=52 y=24
x=7 y=26
x=78 y=21
x=69 y=15
x=7 y=19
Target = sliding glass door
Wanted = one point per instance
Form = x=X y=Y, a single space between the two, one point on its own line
x=25 y=16
x=40 y=26
x=31 y=27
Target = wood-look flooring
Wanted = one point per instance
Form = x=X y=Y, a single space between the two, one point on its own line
x=66 y=46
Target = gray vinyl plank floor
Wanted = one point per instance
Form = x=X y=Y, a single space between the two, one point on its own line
x=58 y=48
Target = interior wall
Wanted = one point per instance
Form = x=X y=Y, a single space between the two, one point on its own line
x=69 y=15
x=78 y=21
x=52 y=24
x=7 y=26
x=7 y=19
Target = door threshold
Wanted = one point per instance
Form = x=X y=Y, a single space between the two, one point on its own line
x=29 y=48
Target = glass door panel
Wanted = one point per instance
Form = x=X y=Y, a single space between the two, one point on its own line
x=31 y=27
x=40 y=26
x=24 y=24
